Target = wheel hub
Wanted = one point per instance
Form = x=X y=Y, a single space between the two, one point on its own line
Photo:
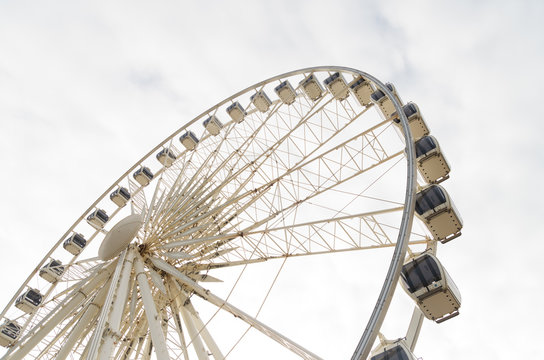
x=120 y=236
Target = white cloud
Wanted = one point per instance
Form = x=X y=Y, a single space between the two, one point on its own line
x=87 y=88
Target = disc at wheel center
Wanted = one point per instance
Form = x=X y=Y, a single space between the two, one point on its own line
x=118 y=238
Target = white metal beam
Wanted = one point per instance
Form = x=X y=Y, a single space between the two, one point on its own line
x=414 y=328
x=198 y=346
x=203 y=331
x=201 y=328
x=101 y=325
x=117 y=310
x=90 y=313
x=174 y=307
x=153 y=319
x=223 y=304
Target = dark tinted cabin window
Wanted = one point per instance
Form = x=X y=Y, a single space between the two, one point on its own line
x=147 y=172
x=100 y=214
x=420 y=273
x=396 y=353
x=124 y=193
x=424 y=145
x=33 y=297
x=377 y=95
x=409 y=109
x=166 y=152
x=281 y=86
x=331 y=78
x=309 y=79
x=429 y=199
x=56 y=267
x=357 y=83
x=234 y=106
x=79 y=240
x=12 y=330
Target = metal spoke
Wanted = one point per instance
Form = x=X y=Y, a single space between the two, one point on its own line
x=223 y=304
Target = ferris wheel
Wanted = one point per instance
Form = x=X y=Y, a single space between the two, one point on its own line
x=318 y=161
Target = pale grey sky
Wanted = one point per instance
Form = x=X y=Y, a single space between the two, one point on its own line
x=87 y=88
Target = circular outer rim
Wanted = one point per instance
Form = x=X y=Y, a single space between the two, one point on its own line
x=382 y=304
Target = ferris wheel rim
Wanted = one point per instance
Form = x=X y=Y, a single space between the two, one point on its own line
x=408 y=211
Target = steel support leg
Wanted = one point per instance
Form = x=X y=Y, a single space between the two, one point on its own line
x=90 y=313
x=117 y=309
x=153 y=319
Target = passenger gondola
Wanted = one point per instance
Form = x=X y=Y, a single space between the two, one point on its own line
x=337 y=86
x=362 y=89
x=189 y=140
x=143 y=176
x=385 y=104
x=392 y=350
x=417 y=124
x=166 y=157
x=9 y=333
x=98 y=219
x=312 y=87
x=435 y=208
x=261 y=101
x=74 y=244
x=29 y=300
x=286 y=93
x=427 y=282
x=213 y=125
x=120 y=196
x=236 y=112
x=52 y=271
x=431 y=162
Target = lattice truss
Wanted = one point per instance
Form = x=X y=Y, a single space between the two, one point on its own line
x=309 y=178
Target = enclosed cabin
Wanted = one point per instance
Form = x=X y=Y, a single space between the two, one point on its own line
x=312 y=88
x=29 y=300
x=427 y=282
x=74 y=244
x=417 y=124
x=143 y=176
x=166 y=157
x=98 y=219
x=213 y=125
x=392 y=350
x=362 y=89
x=431 y=162
x=261 y=101
x=9 y=333
x=189 y=140
x=337 y=86
x=285 y=92
x=120 y=196
x=435 y=208
x=383 y=102
x=236 y=112
x=52 y=271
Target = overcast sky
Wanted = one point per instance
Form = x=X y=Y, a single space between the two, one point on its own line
x=87 y=88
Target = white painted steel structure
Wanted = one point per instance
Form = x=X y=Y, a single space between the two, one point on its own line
x=306 y=175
